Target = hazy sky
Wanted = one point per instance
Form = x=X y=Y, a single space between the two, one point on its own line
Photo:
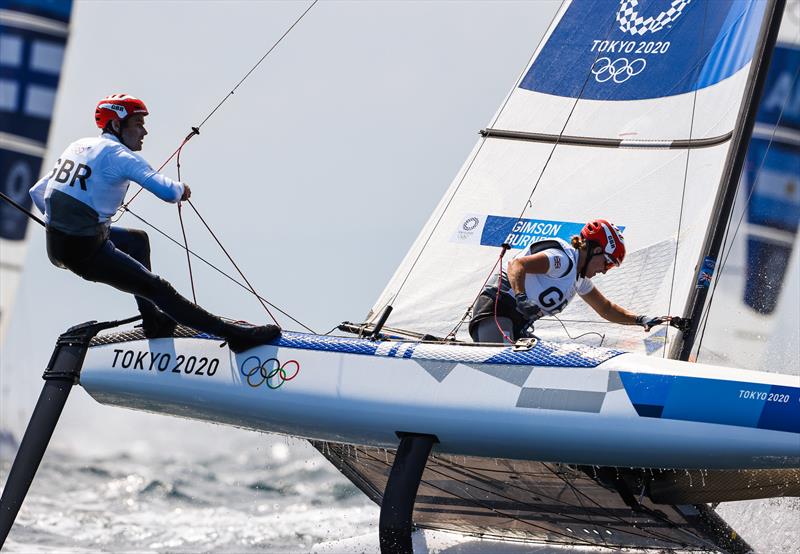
x=317 y=174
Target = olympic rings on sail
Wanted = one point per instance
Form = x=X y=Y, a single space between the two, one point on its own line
x=620 y=70
x=271 y=372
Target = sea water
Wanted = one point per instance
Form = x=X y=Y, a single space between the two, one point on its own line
x=216 y=489
x=260 y=494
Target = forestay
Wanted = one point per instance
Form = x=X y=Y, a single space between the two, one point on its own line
x=626 y=111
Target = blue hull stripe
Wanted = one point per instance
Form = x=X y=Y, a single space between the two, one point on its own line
x=735 y=403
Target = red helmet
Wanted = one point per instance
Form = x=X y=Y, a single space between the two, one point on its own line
x=608 y=237
x=117 y=106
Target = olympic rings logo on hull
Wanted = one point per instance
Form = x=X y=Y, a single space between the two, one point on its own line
x=619 y=70
x=631 y=22
x=271 y=372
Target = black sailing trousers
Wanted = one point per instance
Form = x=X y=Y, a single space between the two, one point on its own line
x=121 y=258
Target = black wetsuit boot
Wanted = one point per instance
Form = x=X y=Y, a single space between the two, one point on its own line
x=241 y=338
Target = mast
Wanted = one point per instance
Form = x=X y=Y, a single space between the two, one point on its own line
x=724 y=202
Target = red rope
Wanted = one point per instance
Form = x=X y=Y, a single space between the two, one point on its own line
x=195 y=131
x=503 y=250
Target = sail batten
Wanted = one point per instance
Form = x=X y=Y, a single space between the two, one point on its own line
x=606 y=142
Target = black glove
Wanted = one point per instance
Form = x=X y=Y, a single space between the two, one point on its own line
x=526 y=307
x=649 y=322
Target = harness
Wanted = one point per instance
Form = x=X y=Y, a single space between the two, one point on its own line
x=484 y=306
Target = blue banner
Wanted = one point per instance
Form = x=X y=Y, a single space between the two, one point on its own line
x=632 y=50
x=519 y=233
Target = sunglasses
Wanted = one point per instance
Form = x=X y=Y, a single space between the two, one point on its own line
x=610 y=262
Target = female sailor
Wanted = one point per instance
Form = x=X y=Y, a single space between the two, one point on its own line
x=543 y=278
x=82 y=193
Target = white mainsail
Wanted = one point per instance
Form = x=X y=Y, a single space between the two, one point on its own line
x=627 y=112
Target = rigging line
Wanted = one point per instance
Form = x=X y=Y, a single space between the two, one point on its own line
x=188 y=257
x=646 y=532
x=563 y=478
x=497 y=296
x=258 y=63
x=538 y=179
x=744 y=212
x=683 y=191
x=252 y=289
x=602 y=336
x=18 y=206
x=510 y=516
x=452 y=334
x=177 y=152
x=183 y=228
x=576 y=519
x=541 y=173
x=196 y=130
x=218 y=270
x=469 y=472
x=472 y=161
x=564 y=127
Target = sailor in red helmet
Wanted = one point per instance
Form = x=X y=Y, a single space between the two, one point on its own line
x=543 y=278
x=82 y=193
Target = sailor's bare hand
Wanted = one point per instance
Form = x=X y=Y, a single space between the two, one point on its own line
x=187 y=192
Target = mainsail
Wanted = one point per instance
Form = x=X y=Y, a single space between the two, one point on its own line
x=627 y=111
x=33 y=36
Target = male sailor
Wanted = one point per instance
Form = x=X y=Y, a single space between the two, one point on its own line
x=543 y=278
x=86 y=188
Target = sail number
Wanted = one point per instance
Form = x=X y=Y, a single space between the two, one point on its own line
x=163 y=362
x=765 y=396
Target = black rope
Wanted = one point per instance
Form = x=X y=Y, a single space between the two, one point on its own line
x=18 y=206
x=188 y=257
x=253 y=290
x=683 y=193
x=257 y=63
x=221 y=272
x=195 y=131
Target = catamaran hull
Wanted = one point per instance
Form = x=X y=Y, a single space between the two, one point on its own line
x=557 y=403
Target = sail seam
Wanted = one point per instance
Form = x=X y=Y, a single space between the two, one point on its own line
x=649 y=144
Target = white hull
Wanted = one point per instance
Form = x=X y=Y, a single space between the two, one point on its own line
x=538 y=406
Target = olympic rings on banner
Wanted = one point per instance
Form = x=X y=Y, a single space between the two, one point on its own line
x=620 y=70
x=271 y=372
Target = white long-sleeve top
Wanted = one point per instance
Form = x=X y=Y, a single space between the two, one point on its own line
x=89 y=182
x=553 y=290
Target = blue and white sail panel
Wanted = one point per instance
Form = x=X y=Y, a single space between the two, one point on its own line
x=33 y=37
x=635 y=69
x=645 y=148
